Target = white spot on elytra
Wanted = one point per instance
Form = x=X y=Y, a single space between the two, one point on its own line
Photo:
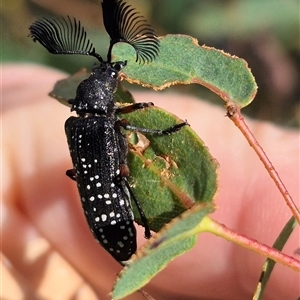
x=99 y=196
x=112 y=185
x=114 y=222
x=103 y=217
x=106 y=196
x=98 y=184
x=122 y=202
x=112 y=214
x=130 y=232
x=107 y=202
x=88 y=187
x=97 y=177
x=121 y=245
x=92 y=198
x=97 y=219
x=114 y=195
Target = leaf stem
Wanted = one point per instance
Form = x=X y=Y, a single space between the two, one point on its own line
x=210 y=225
x=233 y=112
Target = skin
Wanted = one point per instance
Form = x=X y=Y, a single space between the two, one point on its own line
x=48 y=250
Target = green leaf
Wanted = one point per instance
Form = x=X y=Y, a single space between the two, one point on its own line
x=174 y=239
x=182 y=61
x=172 y=172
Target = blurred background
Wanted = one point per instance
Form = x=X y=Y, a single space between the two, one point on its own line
x=263 y=32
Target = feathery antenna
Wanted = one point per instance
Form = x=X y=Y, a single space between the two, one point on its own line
x=121 y=21
x=124 y=24
x=63 y=36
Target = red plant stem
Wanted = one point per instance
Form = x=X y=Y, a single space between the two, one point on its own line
x=244 y=241
x=233 y=112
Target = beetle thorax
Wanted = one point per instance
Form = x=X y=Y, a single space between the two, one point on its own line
x=96 y=93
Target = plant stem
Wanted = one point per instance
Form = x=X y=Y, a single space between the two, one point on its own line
x=209 y=225
x=233 y=112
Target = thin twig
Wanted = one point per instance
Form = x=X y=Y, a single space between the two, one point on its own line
x=233 y=112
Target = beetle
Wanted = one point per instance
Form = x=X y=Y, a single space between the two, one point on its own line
x=97 y=145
